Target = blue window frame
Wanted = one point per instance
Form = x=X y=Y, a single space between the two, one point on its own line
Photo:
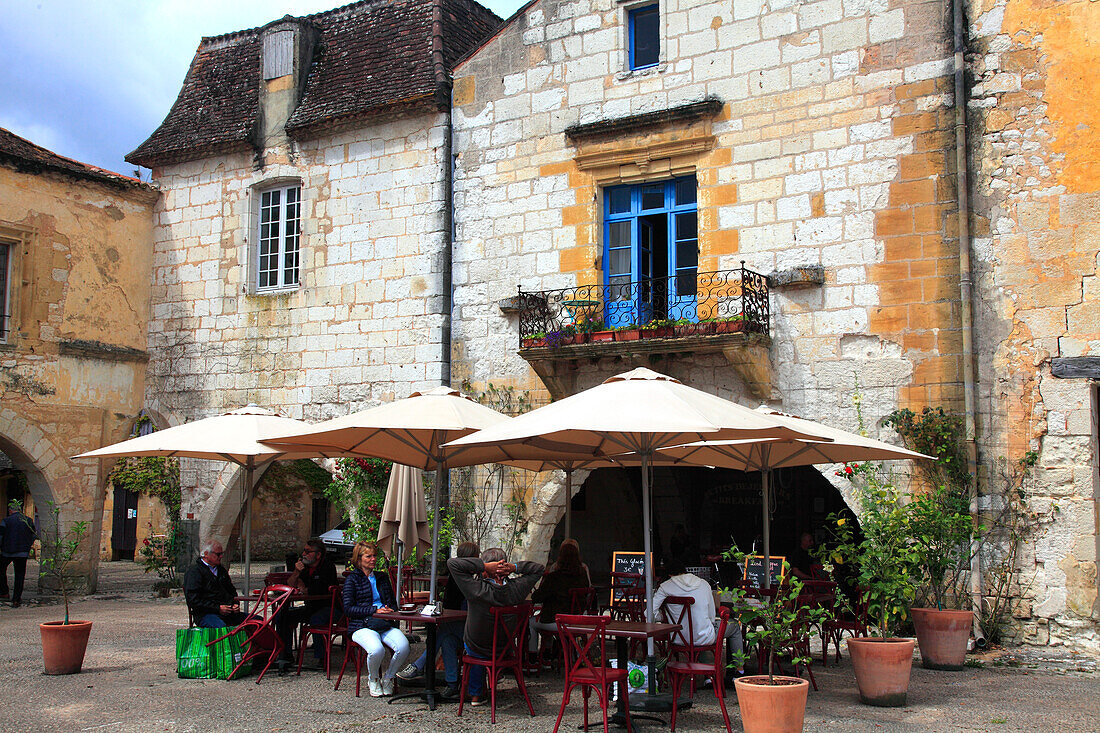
x=651 y=252
x=645 y=36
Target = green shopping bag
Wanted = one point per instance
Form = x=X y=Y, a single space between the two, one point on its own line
x=196 y=660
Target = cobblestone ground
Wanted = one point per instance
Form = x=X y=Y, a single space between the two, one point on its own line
x=129 y=684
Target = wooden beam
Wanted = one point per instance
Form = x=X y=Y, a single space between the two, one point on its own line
x=1076 y=367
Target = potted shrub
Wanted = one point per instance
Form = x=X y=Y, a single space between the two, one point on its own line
x=628 y=333
x=940 y=526
x=772 y=703
x=63 y=642
x=159 y=553
x=883 y=564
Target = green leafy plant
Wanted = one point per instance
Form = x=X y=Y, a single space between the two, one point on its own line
x=359 y=487
x=152 y=476
x=776 y=623
x=60 y=548
x=160 y=553
x=937 y=433
x=940 y=527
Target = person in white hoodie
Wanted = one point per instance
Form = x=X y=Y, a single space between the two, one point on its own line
x=704 y=618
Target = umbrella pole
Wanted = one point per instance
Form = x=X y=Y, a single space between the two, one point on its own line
x=765 y=490
x=400 y=562
x=647 y=524
x=435 y=528
x=247 y=478
x=568 y=502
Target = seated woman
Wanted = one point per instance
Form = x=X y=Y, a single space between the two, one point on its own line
x=553 y=592
x=365 y=592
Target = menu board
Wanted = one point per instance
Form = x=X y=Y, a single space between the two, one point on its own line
x=627 y=562
x=754 y=570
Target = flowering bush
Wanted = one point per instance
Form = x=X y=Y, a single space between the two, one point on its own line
x=160 y=553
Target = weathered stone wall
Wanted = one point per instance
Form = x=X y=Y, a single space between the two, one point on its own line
x=833 y=148
x=364 y=325
x=1035 y=130
x=72 y=369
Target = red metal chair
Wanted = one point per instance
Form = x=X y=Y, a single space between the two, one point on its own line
x=620 y=582
x=678 y=670
x=336 y=626
x=581 y=601
x=681 y=645
x=261 y=637
x=583 y=637
x=510 y=625
x=855 y=622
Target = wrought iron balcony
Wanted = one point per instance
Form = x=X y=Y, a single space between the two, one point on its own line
x=677 y=306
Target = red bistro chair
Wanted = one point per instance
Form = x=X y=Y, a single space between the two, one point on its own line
x=510 y=626
x=336 y=626
x=583 y=637
x=854 y=622
x=681 y=645
x=678 y=670
x=621 y=582
x=581 y=601
x=261 y=637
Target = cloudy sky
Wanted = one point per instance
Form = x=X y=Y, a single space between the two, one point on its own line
x=92 y=79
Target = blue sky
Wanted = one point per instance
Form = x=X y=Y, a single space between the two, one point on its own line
x=91 y=80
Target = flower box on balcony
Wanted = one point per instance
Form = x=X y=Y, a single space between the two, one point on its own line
x=530 y=343
x=656 y=332
x=628 y=334
x=730 y=326
x=595 y=336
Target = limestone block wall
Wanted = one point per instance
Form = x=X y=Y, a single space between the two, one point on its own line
x=72 y=369
x=1036 y=138
x=364 y=325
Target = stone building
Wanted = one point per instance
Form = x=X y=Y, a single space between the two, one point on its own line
x=75 y=258
x=301 y=255
x=618 y=163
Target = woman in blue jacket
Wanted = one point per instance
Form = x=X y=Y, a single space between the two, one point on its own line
x=365 y=592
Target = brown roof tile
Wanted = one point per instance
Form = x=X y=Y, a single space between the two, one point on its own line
x=26 y=157
x=373 y=57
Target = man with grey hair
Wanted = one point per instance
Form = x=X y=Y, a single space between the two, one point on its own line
x=485 y=583
x=210 y=592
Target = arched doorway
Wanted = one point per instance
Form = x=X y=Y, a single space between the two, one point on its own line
x=715 y=507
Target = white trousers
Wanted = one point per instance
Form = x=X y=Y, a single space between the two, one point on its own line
x=375 y=645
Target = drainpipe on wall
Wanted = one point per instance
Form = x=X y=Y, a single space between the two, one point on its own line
x=443 y=102
x=965 y=306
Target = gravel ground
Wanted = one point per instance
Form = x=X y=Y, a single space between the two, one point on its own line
x=129 y=684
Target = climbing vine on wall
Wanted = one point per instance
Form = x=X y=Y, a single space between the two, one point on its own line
x=150 y=475
x=285 y=480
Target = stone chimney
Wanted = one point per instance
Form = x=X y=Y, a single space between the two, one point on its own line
x=288 y=47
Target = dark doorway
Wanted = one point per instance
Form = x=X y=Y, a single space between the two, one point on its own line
x=124 y=525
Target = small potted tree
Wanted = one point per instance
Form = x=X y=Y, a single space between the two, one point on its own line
x=772 y=703
x=63 y=642
x=883 y=563
x=940 y=526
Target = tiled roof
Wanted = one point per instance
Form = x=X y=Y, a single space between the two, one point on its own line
x=27 y=157
x=373 y=57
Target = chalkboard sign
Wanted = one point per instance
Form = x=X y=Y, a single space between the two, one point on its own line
x=627 y=562
x=754 y=570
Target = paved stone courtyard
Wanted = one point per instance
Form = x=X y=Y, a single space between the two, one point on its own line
x=129 y=684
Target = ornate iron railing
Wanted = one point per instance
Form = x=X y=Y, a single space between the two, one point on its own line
x=677 y=306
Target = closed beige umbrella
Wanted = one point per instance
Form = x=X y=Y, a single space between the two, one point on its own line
x=235 y=437
x=404 y=524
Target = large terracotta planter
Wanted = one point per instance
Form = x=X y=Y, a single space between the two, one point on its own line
x=882 y=668
x=63 y=645
x=772 y=708
x=942 y=637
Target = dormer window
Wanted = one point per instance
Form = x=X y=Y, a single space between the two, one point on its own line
x=645 y=36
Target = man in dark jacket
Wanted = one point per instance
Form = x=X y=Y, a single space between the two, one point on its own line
x=314 y=573
x=16 y=537
x=210 y=592
x=485 y=583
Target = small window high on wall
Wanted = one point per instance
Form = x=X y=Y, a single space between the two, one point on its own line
x=645 y=36
x=5 y=296
x=278 y=238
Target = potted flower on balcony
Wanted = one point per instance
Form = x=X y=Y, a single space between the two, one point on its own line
x=884 y=564
x=630 y=332
x=595 y=330
x=772 y=703
x=535 y=339
x=659 y=329
x=63 y=642
x=732 y=324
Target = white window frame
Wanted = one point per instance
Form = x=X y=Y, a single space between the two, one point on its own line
x=287 y=215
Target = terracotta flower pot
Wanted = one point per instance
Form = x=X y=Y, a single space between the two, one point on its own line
x=779 y=708
x=632 y=334
x=882 y=669
x=942 y=637
x=63 y=645
x=601 y=336
x=729 y=326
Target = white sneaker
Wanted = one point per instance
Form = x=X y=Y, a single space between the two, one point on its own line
x=387 y=686
x=375 y=687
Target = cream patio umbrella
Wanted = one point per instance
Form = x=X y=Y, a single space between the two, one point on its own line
x=408 y=431
x=234 y=437
x=404 y=522
x=772 y=453
x=635 y=412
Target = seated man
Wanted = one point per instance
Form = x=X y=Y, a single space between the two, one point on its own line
x=704 y=618
x=314 y=573
x=210 y=592
x=485 y=584
x=448 y=635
